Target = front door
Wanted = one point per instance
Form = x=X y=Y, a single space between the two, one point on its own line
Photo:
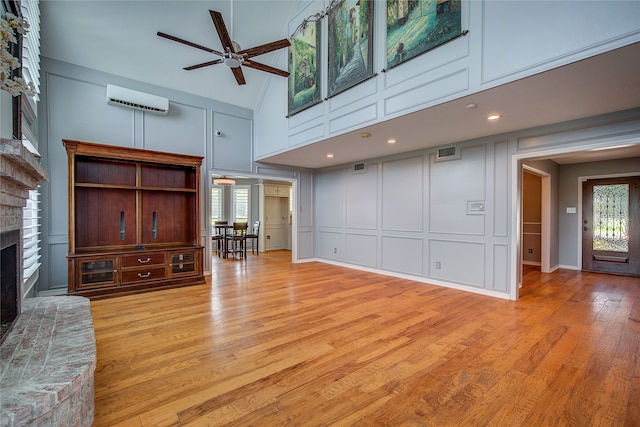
x=611 y=225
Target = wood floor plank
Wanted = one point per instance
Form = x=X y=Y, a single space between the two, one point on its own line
x=267 y=342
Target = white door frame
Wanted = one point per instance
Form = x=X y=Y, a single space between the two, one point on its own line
x=515 y=276
x=207 y=208
x=545 y=220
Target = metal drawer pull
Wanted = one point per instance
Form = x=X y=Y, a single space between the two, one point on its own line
x=144 y=276
x=144 y=261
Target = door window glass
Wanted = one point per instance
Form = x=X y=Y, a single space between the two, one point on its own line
x=611 y=217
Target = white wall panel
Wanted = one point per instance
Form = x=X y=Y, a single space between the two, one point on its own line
x=78 y=110
x=402 y=254
x=444 y=57
x=348 y=97
x=516 y=34
x=232 y=149
x=270 y=134
x=305 y=244
x=305 y=200
x=361 y=249
x=329 y=199
x=350 y=119
x=500 y=189
x=403 y=194
x=181 y=131
x=460 y=262
x=414 y=95
x=362 y=198
x=58 y=273
x=306 y=134
x=452 y=185
x=500 y=268
x=330 y=245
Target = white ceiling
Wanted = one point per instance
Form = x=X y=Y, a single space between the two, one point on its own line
x=119 y=37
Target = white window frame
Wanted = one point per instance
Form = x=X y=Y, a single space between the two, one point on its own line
x=234 y=209
x=220 y=196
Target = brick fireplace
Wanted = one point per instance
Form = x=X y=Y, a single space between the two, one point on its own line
x=20 y=172
x=48 y=351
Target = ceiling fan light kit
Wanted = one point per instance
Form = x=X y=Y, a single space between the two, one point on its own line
x=232 y=56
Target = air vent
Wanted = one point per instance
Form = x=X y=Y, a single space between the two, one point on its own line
x=447 y=153
x=359 y=168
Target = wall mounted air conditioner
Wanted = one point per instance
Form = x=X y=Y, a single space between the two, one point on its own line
x=138 y=100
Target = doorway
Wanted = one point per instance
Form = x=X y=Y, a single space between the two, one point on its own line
x=247 y=206
x=536 y=218
x=611 y=225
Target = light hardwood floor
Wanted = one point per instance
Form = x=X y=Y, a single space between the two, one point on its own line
x=270 y=343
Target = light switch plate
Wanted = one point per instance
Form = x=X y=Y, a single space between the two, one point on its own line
x=571 y=210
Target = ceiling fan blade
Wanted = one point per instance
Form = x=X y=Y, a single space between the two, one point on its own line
x=221 y=28
x=265 y=48
x=237 y=72
x=188 y=43
x=267 y=68
x=204 y=64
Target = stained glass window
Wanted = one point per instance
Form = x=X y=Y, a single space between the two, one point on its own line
x=611 y=217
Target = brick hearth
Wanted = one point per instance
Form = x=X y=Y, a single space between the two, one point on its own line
x=48 y=355
x=48 y=361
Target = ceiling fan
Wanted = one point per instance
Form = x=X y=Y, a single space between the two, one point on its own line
x=232 y=57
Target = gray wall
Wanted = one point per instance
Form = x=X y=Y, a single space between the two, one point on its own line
x=507 y=41
x=73 y=106
x=570 y=196
x=408 y=215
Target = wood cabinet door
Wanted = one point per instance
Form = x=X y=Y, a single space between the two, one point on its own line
x=105 y=217
x=167 y=217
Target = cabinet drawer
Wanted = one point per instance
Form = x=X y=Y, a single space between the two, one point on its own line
x=145 y=274
x=142 y=259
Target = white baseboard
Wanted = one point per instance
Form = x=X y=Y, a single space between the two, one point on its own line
x=417 y=279
x=569 y=267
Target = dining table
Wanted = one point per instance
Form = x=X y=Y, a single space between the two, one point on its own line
x=222 y=230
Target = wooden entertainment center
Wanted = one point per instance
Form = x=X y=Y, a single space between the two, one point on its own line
x=134 y=220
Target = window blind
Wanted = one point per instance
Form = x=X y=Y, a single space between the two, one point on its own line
x=241 y=203
x=31 y=241
x=31 y=47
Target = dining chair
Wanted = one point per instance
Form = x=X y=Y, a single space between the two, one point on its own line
x=217 y=238
x=253 y=236
x=238 y=240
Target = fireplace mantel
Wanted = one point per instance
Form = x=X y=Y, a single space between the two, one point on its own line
x=20 y=171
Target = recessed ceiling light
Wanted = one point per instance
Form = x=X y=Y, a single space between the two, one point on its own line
x=329 y=155
x=365 y=134
x=493 y=117
x=472 y=106
x=391 y=141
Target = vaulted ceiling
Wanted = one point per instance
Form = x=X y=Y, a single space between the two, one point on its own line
x=119 y=37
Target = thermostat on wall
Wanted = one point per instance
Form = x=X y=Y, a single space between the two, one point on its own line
x=475 y=208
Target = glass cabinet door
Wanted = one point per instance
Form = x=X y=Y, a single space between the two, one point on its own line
x=97 y=272
x=183 y=263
